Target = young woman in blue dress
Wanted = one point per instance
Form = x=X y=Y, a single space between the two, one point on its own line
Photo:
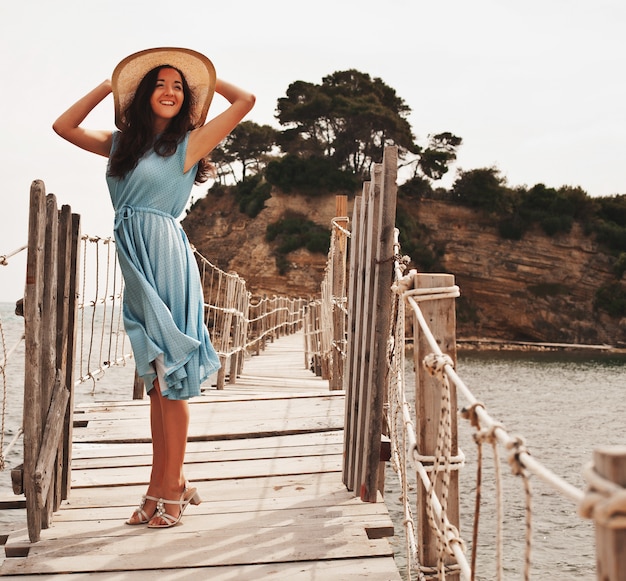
x=161 y=99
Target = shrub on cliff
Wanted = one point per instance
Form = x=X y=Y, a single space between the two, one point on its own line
x=312 y=175
x=295 y=231
x=611 y=299
x=251 y=195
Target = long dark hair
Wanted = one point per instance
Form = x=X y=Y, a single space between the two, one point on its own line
x=138 y=136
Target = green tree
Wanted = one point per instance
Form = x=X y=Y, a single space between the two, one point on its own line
x=482 y=188
x=435 y=160
x=249 y=145
x=350 y=118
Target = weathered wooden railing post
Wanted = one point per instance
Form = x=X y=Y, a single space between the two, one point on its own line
x=49 y=321
x=610 y=464
x=33 y=308
x=441 y=319
x=373 y=473
x=369 y=323
x=67 y=304
x=338 y=294
x=350 y=373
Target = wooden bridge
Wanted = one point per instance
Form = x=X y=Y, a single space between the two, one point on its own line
x=288 y=462
x=266 y=456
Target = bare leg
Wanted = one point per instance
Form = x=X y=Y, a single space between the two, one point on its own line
x=173 y=428
x=158 y=453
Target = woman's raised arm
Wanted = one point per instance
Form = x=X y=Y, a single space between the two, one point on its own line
x=68 y=124
x=204 y=139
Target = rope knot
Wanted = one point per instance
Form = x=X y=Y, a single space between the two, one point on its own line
x=604 y=501
x=404 y=283
x=516 y=447
x=488 y=435
x=471 y=415
x=435 y=363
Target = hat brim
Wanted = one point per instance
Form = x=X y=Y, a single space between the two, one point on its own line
x=198 y=70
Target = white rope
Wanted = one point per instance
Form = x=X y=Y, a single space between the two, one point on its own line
x=503 y=437
x=4 y=258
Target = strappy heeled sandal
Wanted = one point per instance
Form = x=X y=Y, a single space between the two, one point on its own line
x=189 y=496
x=141 y=513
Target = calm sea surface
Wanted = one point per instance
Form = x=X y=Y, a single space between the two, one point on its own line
x=563 y=405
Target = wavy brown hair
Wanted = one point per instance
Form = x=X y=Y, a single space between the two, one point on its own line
x=137 y=138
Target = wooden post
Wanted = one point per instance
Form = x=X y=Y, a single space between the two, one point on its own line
x=48 y=343
x=139 y=387
x=33 y=306
x=440 y=317
x=64 y=270
x=338 y=294
x=367 y=315
x=610 y=464
x=379 y=332
x=351 y=386
x=69 y=335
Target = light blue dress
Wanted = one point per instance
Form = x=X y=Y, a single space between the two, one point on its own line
x=163 y=301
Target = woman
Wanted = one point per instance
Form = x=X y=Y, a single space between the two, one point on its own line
x=161 y=99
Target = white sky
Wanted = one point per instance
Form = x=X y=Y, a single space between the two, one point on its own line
x=535 y=88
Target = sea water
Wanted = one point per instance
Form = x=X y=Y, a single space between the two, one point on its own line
x=563 y=404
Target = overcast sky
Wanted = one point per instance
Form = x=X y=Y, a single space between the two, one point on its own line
x=535 y=88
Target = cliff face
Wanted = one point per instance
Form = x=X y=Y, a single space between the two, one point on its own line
x=234 y=242
x=539 y=288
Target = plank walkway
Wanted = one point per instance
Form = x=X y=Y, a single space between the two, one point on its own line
x=266 y=457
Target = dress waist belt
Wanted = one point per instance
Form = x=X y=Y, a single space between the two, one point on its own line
x=126 y=212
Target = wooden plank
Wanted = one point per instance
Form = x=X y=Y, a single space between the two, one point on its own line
x=33 y=306
x=214 y=471
x=87 y=451
x=109 y=504
x=49 y=356
x=223 y=420
x=285 y=486
x=209 y=456
x=216 y=431
x=372 y=569
x=379 y=367
x=136 y=550
x=229 y=516
x=53 y=427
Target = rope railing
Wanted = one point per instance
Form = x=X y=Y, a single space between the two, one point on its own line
x=434 y=471
x=8 y=356
x=102 y=341
x=238 y=323
x=327 y=317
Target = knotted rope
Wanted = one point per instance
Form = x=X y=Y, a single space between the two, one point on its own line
x=446 y=533
x=604 y=501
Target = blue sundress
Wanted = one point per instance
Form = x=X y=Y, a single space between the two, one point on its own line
x=163 y=304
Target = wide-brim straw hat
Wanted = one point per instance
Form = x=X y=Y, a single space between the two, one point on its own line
x=198 y=70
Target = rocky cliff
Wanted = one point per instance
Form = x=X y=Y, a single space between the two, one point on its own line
x=538 y=289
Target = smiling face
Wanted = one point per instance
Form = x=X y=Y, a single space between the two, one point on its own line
x=167 y=97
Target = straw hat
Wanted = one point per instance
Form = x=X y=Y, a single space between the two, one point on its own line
x=197 y=69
